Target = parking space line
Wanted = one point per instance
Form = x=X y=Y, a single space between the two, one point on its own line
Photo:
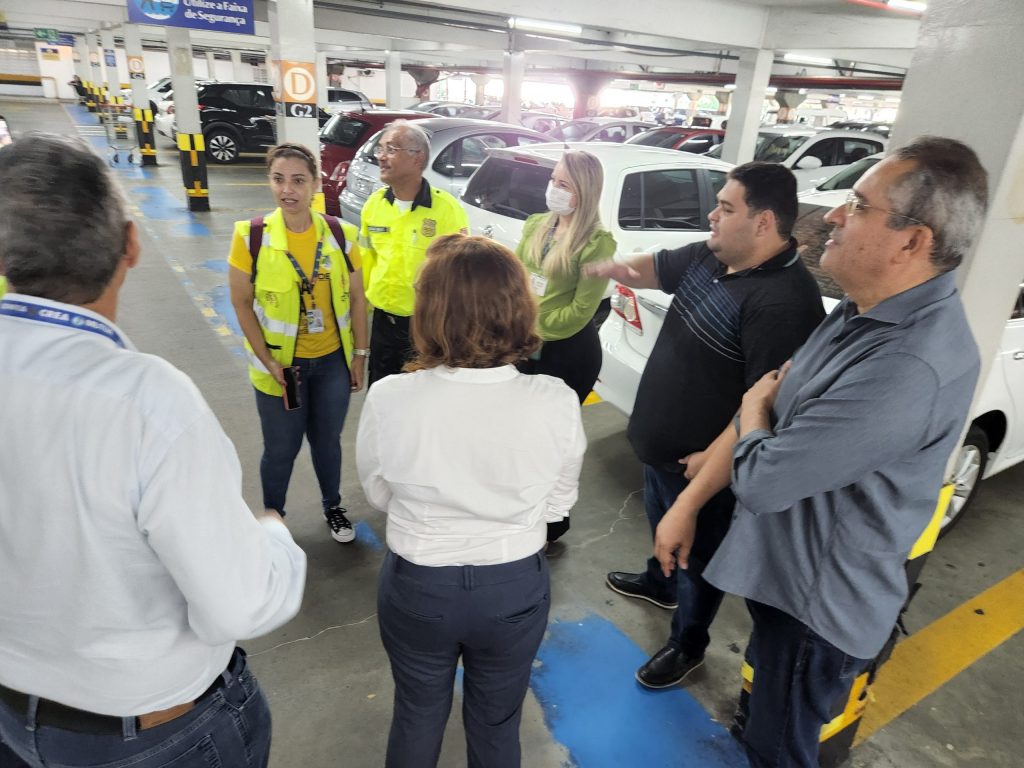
x=931 y=657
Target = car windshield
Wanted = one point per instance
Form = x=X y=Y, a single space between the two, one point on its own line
x=478 y=113
x=656 y=138
x=775 y=149
x=574 y=131
x=847 y=177
x=509 y=187
x=343 y=130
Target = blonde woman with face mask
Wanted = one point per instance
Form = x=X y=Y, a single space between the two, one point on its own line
x=554 y=248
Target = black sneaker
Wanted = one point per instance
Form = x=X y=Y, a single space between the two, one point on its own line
x=636 y=585
x=341 y=528
x=667 y=667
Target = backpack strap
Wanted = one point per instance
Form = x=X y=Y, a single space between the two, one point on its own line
x=255 y=243
x=339 y=235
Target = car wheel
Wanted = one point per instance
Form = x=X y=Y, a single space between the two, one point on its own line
x=221 y=146
x=967 y=473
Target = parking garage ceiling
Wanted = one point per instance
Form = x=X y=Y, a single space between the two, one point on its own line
x=857 y=37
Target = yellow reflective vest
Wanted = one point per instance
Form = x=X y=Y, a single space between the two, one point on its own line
x=393 y=243
x=3 y=285
x=277 y=299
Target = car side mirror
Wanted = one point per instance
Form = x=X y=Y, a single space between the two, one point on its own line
x=809 y=163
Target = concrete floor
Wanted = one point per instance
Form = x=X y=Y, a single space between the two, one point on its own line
x=326 y=673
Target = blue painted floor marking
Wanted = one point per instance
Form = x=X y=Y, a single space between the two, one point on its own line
x=365 y=535
x=595 y=708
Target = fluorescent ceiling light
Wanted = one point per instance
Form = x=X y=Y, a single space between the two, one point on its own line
x=909 y=5
x=800 y=58
x=771 y=90
x=538 y=25
x=866 y=96
x=730 y=86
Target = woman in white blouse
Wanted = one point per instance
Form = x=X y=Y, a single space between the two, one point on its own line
x=470 y=459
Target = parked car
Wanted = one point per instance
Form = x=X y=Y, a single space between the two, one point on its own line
x=535 y=121
x=601 y=129
x=995 y=439
x=156 y=91
x=846 y=178
x=346 y=100
x=695 y=140
x=341 y=137
x=813 y=156
x=618 y=112
x=444 y=108
x=719 y=122
x=457 y=148
x=882 y=129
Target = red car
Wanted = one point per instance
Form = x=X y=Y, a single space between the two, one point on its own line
x=685 y=139
x=341 y=137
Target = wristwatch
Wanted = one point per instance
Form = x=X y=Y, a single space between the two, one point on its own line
x=361 y=352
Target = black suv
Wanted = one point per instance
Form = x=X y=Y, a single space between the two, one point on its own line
x=235 y=118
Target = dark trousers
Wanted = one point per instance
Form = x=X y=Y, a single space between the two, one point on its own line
x=798 y=677
x=229 y=727
x=697 y=600
x=324 y=390
x=494 y=617
x=575 y=360
x=390 y=345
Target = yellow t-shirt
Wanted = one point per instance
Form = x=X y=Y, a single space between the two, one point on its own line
x=302 y=245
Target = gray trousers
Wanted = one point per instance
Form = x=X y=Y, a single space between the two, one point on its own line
x=494 y=617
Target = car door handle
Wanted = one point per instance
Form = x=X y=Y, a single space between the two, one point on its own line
x=1018 y=355
x=652 y=306
x=487 y=230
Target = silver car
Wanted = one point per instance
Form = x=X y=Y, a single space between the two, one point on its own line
x=457 y=148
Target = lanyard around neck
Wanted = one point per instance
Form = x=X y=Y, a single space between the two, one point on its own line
x=307 y=283
x=67 y=318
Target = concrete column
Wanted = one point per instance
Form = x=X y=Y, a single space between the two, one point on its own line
x=191 y=146
x=321 y=78
x=424 y=77
x=81 y=56
x=92 y=83
x=694 y=95
x=238 y=70
x=586 y=86
x=111 y=81
x=480 y=81
x=755 y=67
x=393 y=80
x=512 y=95
x=974 y=51
x=295 y=89
x=211 y=66
x=141 y=110
x=723 y=101
x=788 y=101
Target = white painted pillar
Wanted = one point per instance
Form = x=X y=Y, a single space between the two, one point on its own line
x=95 y=80
x=82 y=67
x=321 y=78
x=109 y=59
x=191 y=145
x=295 y=89
x=141 y=110
x=393 y=79
x=512 y=97
x=239 y=70
x=755 y=67
x=211 y=66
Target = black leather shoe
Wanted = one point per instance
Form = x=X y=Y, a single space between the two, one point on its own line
x=667 y=667
x=636 y=585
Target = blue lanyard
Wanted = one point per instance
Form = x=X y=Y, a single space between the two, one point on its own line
x=308 y=282
x=63 y=317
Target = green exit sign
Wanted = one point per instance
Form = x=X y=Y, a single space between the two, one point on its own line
x=50 y=35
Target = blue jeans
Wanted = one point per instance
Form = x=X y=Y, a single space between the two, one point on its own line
x=494 y=617
x=324 y=390
x=798 y=677
x=229 y=727
x=697 y=601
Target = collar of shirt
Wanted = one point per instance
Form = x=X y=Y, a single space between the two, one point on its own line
x=898 y=308
x=477 y=375
x=423 y=197
x=75 y=309
x=787 y=257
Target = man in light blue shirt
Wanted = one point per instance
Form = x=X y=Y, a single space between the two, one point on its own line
x=840 y=455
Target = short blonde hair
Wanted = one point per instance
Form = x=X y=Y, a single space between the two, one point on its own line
x=474 y=308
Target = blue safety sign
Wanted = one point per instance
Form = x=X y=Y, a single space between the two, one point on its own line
x=208 y=15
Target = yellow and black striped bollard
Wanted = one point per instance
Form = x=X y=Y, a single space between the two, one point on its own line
x=192 y=151
x=144 y=129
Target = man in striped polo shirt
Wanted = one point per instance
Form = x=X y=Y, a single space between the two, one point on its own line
x=743 y=301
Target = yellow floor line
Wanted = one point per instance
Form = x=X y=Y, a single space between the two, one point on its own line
x=928 y=659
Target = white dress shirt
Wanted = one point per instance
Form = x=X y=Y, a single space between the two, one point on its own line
x=470 y=464
x=129 y=561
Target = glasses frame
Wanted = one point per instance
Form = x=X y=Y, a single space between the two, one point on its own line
x=390 y=151
x=853 y=205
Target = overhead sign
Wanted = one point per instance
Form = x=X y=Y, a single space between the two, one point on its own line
x=109 y=57
x=206 y=15
x=296 y=88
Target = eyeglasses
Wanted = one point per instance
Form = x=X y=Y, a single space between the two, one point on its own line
x=391 y=150
x=854 y=205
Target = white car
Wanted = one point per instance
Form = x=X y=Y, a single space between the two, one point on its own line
x=995 y=440
x=163 y=118
x=813 y=156
x=652 y=197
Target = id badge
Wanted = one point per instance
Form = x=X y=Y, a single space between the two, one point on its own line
x=315 y=321
x=538 y=283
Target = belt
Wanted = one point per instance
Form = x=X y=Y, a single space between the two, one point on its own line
x=57 y=715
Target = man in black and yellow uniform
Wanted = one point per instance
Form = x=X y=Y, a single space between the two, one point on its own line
x=399 y=222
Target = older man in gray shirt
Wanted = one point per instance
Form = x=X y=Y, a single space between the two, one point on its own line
x=839 y=456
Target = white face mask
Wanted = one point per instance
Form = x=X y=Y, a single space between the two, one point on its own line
x=558 y=200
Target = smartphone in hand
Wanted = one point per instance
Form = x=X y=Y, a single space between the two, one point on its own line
x=292 y=400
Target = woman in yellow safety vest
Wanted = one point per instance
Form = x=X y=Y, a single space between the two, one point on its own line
x=297 y=291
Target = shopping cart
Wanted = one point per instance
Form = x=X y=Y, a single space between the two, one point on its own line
x=121 y=135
